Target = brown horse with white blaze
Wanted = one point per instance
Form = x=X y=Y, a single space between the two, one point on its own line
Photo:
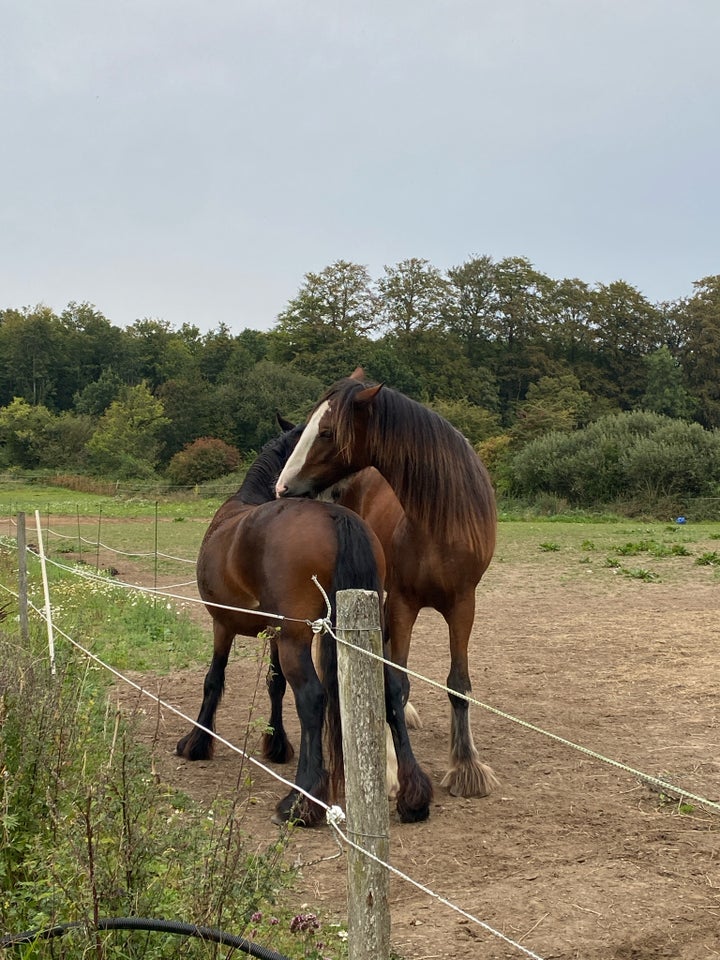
x=437 y=524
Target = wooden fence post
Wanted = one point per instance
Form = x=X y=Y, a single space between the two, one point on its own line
x=362 y=705
x=22 y=578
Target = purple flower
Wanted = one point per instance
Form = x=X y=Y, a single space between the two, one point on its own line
x=304 y=921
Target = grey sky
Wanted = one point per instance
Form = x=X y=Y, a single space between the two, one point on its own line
x=191 y=160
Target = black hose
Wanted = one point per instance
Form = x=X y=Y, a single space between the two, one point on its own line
x=154 y=926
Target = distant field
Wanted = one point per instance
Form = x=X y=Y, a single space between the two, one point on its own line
x=75 y=523
x=59 y=501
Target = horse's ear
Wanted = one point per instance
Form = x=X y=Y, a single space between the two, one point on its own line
x=368 y=394
x=357 y=374
x=284 y=424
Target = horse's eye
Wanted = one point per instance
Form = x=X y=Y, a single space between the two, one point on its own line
x=325 y=435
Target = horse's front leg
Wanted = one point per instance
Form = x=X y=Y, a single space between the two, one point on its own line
x=276 y=746
x=199 y=744
x=400 y=617
x=312 y=777
x=415 y=792
x=467 y=776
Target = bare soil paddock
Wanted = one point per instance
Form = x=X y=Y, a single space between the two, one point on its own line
x=570 y=857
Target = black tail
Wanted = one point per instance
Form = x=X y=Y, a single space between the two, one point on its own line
x=355 y=569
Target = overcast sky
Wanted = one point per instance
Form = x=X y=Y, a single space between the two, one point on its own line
x=191 y=160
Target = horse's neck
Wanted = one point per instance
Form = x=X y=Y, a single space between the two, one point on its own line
x=391 y=471
x=258 y=485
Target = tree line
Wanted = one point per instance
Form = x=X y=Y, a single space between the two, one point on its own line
x=505 y=352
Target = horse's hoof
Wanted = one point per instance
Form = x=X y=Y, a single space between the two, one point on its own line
x=391 y=773
x=299 y=811
x=282 y=818
x=193 y=749
x=415 y=797
x=277 y=749
x=414 y=816
x=470 y=780
x=291 y=809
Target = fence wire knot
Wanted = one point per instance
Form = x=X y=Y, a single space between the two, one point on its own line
x=335 y=815
x=322 y=624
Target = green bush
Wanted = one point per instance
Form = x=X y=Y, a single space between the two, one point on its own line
x=627 y=456
x=205 y=459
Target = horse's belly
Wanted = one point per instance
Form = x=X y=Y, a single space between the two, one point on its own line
x=432 y=574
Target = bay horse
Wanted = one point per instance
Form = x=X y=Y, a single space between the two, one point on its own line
x=431 y=503
x=261 y=553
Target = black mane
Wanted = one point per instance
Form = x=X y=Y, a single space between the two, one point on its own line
x=259 y=483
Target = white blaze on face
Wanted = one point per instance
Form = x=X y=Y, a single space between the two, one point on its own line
x=299 y=454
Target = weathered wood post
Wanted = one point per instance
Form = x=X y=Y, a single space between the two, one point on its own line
x=22 y=578
x=362 y=705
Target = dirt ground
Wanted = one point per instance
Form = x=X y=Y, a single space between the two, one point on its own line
x=570 y=857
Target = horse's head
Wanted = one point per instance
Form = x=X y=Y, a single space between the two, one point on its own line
x=332 y=445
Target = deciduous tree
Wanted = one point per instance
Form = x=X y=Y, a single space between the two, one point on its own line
x=701 y=352
x=413 y=296
x=127 y=440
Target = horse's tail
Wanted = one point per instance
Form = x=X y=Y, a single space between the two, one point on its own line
x=355 y=569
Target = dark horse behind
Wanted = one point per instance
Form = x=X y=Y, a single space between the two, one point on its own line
x=261 y=554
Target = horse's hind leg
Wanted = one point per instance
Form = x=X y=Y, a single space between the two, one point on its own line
x=276 y=746
x=311 y=776
x=415 y=792
x=467 y=777
x=199 y=744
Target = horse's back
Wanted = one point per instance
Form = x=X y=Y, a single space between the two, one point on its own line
x=271 y=553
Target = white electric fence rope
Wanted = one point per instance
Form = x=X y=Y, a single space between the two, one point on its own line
x=183 y=716
x=656 y=781
x=333 y=818
x=318 y=625
x=160 y=592
x=321 y=624
x=333 y=814
x=99 y=543
x=121 y=553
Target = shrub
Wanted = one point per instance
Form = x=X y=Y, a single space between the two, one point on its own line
x=205 y=459
x=496 y=455
x=641 y=456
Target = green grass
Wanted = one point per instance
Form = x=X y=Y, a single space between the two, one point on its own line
x=128 y=628
x=711 y=559
x=73 y=523
x=59 y=501
x=672 y=551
